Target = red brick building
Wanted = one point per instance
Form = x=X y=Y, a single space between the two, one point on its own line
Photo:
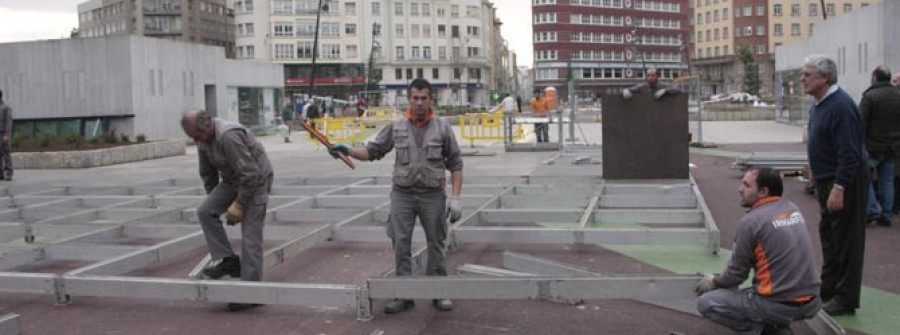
x=604 y=45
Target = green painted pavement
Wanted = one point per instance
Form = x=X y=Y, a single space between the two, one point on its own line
x=878 y=314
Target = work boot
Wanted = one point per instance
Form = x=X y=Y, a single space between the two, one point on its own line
x=443 y=305
x=230 y=266
x=398 y=305
x=835 y=308
x=237 y=306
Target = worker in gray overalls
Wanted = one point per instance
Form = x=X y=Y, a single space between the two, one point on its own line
x=237 y=176
x=426 y=149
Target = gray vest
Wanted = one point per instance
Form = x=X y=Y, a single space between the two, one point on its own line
x=419 y=166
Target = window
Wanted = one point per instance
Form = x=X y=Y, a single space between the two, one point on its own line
x=399 y=53
x=545 y=18
x=724 y=14
x=813 y=9
x=442 y=53
x=760 y=10
x=426 y=52
x=810 y=29
x=454 y=31
x=716 y=34
x=350 y=8
x=398 y=74
x=441 y=12
x=699 y=18
x=454 y=11
x=795 y=10
x=848 y=7
x=708 y=16
x=716 y=52
x=398 y=8
x=350 y=29
x=426 y=9
x=547 y=74
x=331 y=29
x=352 y=51
x=748 y=31
x=725 y=33
x=473 y=51
x=760 y=49
x=330 y=51
x=829 y=8
x=760 y=30
x=435 y=74
x=778 y=29
x=748 y=10
x=426 y=31
x=250 y=51
x=413 y=9
x=408 y=73
x=304 y=49
x=725 y=51
x=716 y=16
x=283 y=29
x=457 y=73
x=398 y=30
x=376 y=8
x=795 y=29
x=708 y=35
x=456 y=53
x=776 y=10
x=414 y=53
x=699 y=36
x=282 y=7
x=472 y=31
x=414 y=30
x=442 y=31
x=284 y=51
x=472 y=12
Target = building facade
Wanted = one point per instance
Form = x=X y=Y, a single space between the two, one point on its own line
x=133 y=84
x=721 y=29
x=605 y=45
x=208 y=22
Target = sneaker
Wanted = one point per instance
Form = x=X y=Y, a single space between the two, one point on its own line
x=230 y=266
x=398 y=305
x=872 y=218
x=237 y=306
x=835 y=308
x=442 y=305
x=884 y=222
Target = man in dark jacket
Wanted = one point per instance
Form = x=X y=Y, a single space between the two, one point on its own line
x=6 y=126
x=880 y=107
x=837 y=160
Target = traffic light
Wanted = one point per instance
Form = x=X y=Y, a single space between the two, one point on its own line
x=496 y=96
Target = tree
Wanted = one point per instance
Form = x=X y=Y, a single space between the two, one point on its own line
x=751 y=69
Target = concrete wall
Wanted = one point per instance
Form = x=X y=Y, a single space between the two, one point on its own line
x=153 y=79
x=858 y=42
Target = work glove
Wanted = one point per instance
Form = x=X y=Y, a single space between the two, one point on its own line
x=335 y=149
x=659 y=94
x=705 y=284
x=455 y=209
x=235 y=214
x=626 y=94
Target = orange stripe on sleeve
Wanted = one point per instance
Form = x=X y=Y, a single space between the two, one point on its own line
x=763 y=276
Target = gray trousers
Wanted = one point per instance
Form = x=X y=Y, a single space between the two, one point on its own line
x=6 y=160
x=209 y=214
x=430 y=209
x=744 y=311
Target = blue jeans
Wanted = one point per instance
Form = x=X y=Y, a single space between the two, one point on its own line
x=884 y=167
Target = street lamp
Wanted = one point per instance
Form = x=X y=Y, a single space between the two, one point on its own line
x=315 y=51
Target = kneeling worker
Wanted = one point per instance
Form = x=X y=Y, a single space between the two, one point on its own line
x=772 y=239
x=426 y=148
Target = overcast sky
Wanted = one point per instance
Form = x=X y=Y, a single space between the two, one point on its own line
x=23 y=20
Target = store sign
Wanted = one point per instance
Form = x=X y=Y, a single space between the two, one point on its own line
x=325 y=80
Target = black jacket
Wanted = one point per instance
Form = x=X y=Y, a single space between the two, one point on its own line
x=880 y=108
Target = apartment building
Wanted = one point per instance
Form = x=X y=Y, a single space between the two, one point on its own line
x=200 y=21
x=605 y=45
x=721 y=28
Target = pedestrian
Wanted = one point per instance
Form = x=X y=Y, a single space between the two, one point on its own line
x=519 y=104
x=426 y=147
x=539 y=109
x=895 y=80
x=237 y=176
x=6 y=128
x=509 y=104
x=837 y=160
x=880 y=108
x=772 y=240
x=651 y=86
x=361 y=106
x=287 y=115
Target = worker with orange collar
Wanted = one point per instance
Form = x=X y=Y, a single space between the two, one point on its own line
x=426 y=149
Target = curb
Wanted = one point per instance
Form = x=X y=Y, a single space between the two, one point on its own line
x=98 y=157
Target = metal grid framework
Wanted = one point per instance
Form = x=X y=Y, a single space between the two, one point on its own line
x=114 y=231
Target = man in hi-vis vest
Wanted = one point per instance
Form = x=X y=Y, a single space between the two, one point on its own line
x=426 y=147
x=237 y=176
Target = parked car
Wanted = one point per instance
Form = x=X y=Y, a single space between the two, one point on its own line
x=719 y=97
x=743 y=97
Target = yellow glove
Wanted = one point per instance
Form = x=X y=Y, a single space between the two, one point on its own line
x=235 y=214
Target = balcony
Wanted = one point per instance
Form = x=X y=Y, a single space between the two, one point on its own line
x=162 y=10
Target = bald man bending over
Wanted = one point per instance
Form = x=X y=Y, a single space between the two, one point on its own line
x=237 y=177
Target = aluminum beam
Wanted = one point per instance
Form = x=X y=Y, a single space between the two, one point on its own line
x=528 y=215
x=589 y=210
x=580 y=236
x=648 y=201
x=709 y=222
x=15 y=282
x=650 y=216
x=17 y=258
x=320 y=295
x=279 y=254
x=822 y=324
x=540 y=266
x=9 y=324
x=90 y=253
x=481 y=270
x=143 y=257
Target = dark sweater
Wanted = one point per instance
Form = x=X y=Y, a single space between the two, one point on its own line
x=835 y=145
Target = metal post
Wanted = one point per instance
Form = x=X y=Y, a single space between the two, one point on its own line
x=312 y=68
x=572 y=105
